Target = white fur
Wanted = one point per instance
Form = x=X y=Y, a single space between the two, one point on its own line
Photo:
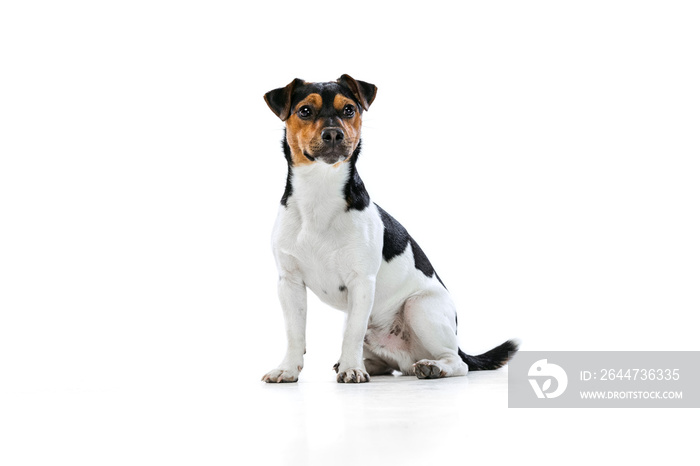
x=321 y=245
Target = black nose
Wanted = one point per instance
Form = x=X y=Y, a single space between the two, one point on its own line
x=332 y=135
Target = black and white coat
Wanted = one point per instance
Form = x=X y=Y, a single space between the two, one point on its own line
x=330 y=237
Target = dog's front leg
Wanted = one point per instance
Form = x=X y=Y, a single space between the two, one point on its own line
x=351 y=368
x=292 y=295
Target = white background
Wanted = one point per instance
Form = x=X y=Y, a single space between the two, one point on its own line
x=545 y=155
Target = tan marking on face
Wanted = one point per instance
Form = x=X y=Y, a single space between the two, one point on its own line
x=304 y=135
x=351 y=126
x=313 y=100
x=340 y=101
x=301 y=132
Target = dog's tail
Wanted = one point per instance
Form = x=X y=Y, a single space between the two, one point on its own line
x=492 y=359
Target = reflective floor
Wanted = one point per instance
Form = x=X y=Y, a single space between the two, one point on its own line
x=392 y=416
x=238 y=420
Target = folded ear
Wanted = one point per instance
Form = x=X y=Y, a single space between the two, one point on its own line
x=280 y=100
x=363 y=92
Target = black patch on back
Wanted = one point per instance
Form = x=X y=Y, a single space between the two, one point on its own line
x=395 y=236
x=396 y=239
x=420 y=259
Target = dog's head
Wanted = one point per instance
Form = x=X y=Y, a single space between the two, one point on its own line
x=323 y=120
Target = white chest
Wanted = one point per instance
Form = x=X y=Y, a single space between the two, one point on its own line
x=318 y=238
x=326 y=256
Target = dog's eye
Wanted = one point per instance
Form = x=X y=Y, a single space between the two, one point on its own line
x=304 y=112
x=349 y=111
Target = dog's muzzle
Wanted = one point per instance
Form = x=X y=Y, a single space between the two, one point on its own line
x=334 y=147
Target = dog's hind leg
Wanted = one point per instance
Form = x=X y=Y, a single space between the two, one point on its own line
x=431 y=319
x=373 y=364
x=376 y=365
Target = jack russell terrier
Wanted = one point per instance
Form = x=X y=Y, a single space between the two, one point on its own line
x=332 y=239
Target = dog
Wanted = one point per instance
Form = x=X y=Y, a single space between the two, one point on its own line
x=330 y=237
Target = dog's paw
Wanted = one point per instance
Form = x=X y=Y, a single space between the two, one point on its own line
x=427 y=369
x=281 y=375
x=353 y=375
